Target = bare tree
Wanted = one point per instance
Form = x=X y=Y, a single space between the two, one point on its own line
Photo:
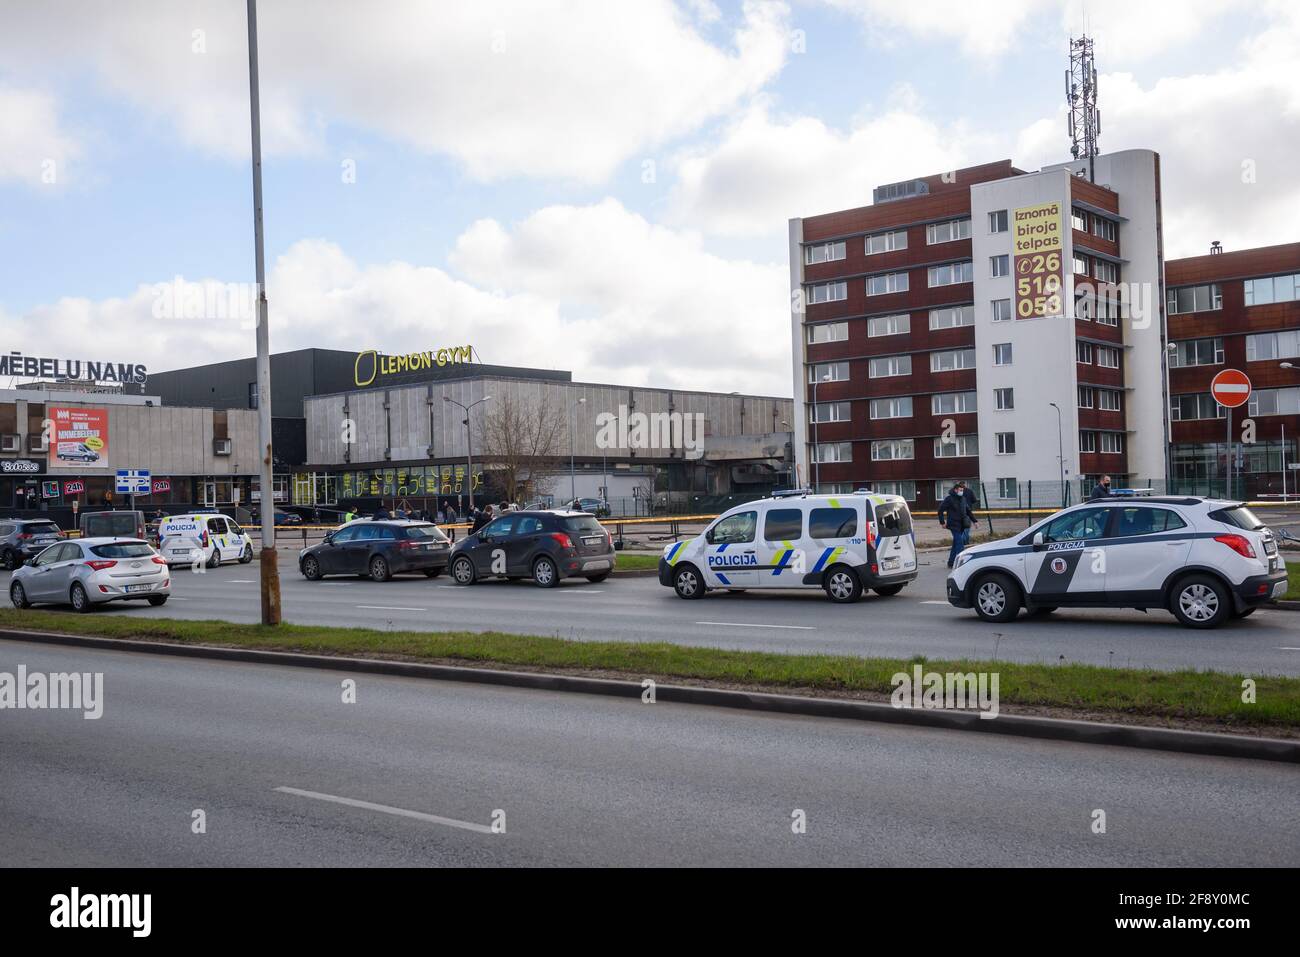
x=523 y=442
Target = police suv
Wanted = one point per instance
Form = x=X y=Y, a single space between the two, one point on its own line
x=839 y=543
x=1204 y=560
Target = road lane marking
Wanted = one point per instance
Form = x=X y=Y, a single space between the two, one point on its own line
x=391 y=608
x=931 y=602
x=747 y=624
x=240 y=581
x=1289 y=649
x=385 y=809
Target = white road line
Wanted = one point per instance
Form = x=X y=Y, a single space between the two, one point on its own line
x=241 y=581
x=932 y=602
x=385 y=809
x=746 y=624
x=391 y=608
x=1289 y=649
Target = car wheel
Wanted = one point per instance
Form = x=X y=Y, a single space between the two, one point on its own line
x=10 y=559
x=432 y=572
x=311 y=569
x=687 y=582
x=462 y=571
x=887 y=590
x=215 y=558
x=379 y=570
x=157 y=600
x=18 y=596
x=842 y=585
x=1042 y=611
x=545 y=573
x=597 y=579
x=246 y=555
x=1200 y=601
x=997 y=598
x=80 y=600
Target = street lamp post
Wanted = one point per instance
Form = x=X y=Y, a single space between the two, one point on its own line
x=469 y=451
x=816 y=450
x=270 y=577
x=1170 y=349
x=573 y=480
x=1284 y=365
x=1060 y=449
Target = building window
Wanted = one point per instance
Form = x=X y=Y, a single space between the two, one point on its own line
x=829 y=372
x=952 y=403
x=828 y=292
x=1105 y=228
x=829 y=412
x=1107 y=358
x=1260 y=292
x=1079 y=219
x=1087 y=441
x=1006 y=443
x=1081 y=265
x=833 y=452
x=952 y=359
x=828 y=332
x=961 y=446
x=887 y=283
x=1274 y=402
x=1193 y=299
x=887 y=366
x=1106 y=271
x=1001 y=310
x=951 y=274
x=823 y=253
x=1083 y=352
x=889 y=450
x=1112 y=443
x=899 y=407
x=1004 y=399
x=904 y=489
x=889 y=325
x=1008 y=488
x=886 y=242
x=1087 y=396
x=1271 y=345
x=999 y=266
x=952 y=316
x=1002 y=354
x=1200 y=352
x=1196 y=405
x=947 y=232
x=998 y=221
x=252 y=395
x=1108 y=400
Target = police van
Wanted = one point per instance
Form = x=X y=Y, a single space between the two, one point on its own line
x=842 y=544
x=207 y=537
x=1203 y=560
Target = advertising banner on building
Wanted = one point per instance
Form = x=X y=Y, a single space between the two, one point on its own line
x=79 y=437
x=1038 y=265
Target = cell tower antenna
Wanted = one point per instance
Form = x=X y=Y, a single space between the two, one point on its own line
x=1081 y=96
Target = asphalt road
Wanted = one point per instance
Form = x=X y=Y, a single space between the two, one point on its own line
x=919 y=621
x=582 y=780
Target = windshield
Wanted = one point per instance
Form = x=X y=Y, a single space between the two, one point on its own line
x=426 y=531
x=894 y=519
x=583 y=525
x=123 y=550
x=41 y=528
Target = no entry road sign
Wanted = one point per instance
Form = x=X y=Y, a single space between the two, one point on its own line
x=1231 y=388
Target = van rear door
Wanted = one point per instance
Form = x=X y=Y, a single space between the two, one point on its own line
x=895 y=543
x=180 y=538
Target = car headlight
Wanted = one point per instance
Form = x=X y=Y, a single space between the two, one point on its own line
x=962 y=560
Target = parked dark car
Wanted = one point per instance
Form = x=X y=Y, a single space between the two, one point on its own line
x=24 y=538
x=378 y=549
x=115 y=523
x=542 y=545
x=593 y=505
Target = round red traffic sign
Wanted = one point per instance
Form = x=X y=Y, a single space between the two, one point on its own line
x=1230 y=388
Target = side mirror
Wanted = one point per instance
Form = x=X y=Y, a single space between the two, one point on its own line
x=329 y=538
x=1038 y=540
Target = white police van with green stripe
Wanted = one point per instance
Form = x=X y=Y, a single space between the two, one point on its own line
x=840 y=543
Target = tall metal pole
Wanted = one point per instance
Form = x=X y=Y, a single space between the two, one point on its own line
x=1060 y=449
x=816 y=452
x=1227 y=456
x=573 y=481
x=469 y=461
x=270 y=569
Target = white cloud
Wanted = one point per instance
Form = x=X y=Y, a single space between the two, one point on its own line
x=34 y=147
x=980 y=30
x=504 y=88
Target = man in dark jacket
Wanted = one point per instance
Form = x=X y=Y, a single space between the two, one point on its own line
x=955 y=515
x=1101 y=489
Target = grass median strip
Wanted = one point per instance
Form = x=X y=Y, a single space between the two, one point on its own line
x=1198 y=697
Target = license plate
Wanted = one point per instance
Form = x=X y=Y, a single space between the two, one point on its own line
x=131 y=588
x=593 y=539
x=889 y=564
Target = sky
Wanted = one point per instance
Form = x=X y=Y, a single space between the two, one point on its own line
x=596 y=186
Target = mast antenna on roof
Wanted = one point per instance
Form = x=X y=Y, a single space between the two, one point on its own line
x=1081 y=96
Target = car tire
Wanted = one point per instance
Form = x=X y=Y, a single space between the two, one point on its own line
x=432 y=572
x=246 y=555
x=597 y=579
x=996 y=598
x=80 y=600
x=1042 y=611
x=1200 y=601
x=379 y=570
x=887 y=590
x=311 y=569
x=214 y=560
x=688 y=583
x=18 y=596
x=462 y=571
x=10 y=559
x=546 y=574
x=157 y=600
x=842 y=585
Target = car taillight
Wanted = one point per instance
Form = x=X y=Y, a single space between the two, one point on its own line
x=99 y=564
x=204 y=540
x=408 y=543
x=24 y=534
x=159 y=560
x=1238 y=543
x=563 y=539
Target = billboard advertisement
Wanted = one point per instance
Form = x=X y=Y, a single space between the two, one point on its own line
x=1038 y=262
x=78 y=437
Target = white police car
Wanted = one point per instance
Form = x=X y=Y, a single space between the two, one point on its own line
x=839 y=543
x=1204 y=560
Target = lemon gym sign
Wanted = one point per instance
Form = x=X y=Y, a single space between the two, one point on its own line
x=372 y=366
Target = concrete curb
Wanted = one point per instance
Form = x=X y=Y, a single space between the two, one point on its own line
x=1053 y=729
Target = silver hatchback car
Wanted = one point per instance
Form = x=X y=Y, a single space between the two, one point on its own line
x=87 y=572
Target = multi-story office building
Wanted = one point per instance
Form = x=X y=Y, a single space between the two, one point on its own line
x=988 y=322
x=1235 y=310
